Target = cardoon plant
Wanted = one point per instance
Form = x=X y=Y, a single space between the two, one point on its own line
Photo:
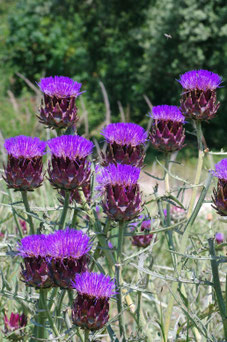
x=198 y=100
x=34 y=250
x=67 y=255
x=59 y=109
x=118 y=185
x=24 y=167
x=125 y=143
x=167 y=133
x=220 y=194
x=91 y=307
x=69 y=167
x=14 y=325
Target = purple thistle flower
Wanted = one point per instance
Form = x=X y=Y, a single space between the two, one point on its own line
x=121 y=194
x=220 y=194
x=70 y=146
x=95 y=285
x=200 y=79
x=221 y=170
x=24 y=167
x=34 y=250
x=91 y=307
x=199 y=97
x=219 y=237
x=124 y=134
x=126 y=175
x=25 y=147
x=33 y=246
x=167 y=133
x=60 y=86
x=125 y=143
x=14 y=325
x=69 y=167
x=68 y=243
x=167 y=113
x=59 y=108
x=67 y=255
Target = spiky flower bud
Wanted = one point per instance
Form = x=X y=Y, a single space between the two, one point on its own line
x=67 y=255
x=69 y=167
x=220 y=194
x=34 y=250
x=198 y=100
x=145 y=226
x=24 y=167
x=167 y=133
x=14 y=325
x=91 y=307
x=219 y=238
x=59 y=109
x=125 y=144
x=117 y=184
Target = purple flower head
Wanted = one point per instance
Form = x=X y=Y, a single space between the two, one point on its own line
x=70 y=146
x=94 y=285
x=16 y=321
x=200 y=79
x=119 y=174
x=124 y=134
x=167 y=113
x=219 y=237
x=34 y=246
x=60 y=87
x=26 y=147
x=221 y=170
x=68 y=243
x=146 y=224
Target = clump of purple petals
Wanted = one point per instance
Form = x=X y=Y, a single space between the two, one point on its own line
x=167 y=113
x=125 y=134
x=60 y=87
x=94 y=285
x=34 y=246
x=68 y=243
x=26 y=147
x=70 y=146
x=219 y=237
x=119 y=174
x=200 y=79
x=221 y=170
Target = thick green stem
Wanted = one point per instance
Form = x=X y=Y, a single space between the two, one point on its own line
x=217 y=286
x=118 y=267
x=27 y=208
x=65 y=209
x=40 y=331
x=45 y=306
x=86 y=335
x=184 y=241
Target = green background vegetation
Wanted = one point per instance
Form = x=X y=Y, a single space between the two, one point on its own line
x=121 y=43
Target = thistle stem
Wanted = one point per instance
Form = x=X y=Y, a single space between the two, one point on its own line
x=217 y=286
x=86 y=335
x=118 y=267
x=15 y=216
x=40 y=331
x=28 y=211
x=184 y=240
x=65 y=209
x=43 y=297
x=75 y=218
